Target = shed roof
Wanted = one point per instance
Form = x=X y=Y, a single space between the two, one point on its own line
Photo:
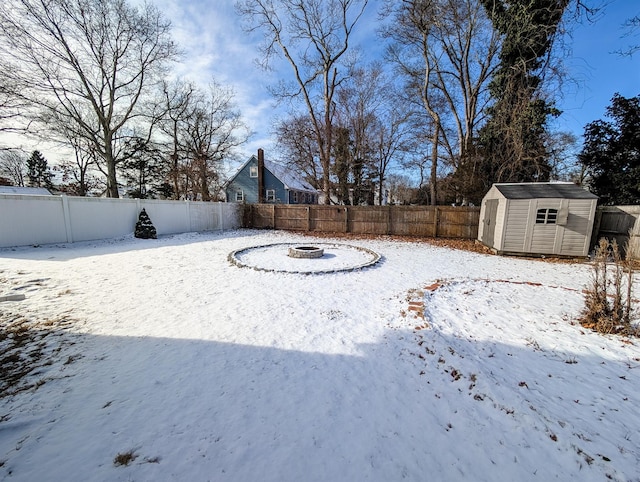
x=40 y=191
x=532 y=190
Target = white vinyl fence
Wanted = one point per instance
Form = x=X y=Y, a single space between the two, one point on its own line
x=26 y=219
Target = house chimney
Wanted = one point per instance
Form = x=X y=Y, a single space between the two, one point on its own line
x=260 y=176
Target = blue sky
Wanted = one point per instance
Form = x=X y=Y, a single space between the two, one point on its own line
x=599 y=71
x=215 y=45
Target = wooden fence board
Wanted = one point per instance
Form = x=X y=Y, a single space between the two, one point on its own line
x=619 y=223
x=423 y=221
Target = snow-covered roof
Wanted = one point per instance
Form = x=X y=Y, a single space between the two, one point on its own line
x=33 y=191
x=288 y=178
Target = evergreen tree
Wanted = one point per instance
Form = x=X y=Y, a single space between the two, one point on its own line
x=38 y=171
x=142 y=168
x=513 y=140
x=611 y=153
x=144 y=227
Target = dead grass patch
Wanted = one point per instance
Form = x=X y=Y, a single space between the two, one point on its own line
x=125 y=458
x=27 y=348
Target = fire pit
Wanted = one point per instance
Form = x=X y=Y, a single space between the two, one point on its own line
x=305 y=252
x=298 y=258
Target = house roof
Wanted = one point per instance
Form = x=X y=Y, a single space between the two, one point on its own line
x=532 y=190
x=34 y=191
x=288 y=178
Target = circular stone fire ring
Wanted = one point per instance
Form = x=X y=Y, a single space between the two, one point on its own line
x=306 y=252
x=327 y=258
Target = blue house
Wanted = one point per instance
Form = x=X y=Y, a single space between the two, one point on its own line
x=260 y=181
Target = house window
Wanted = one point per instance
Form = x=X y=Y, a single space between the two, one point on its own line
x=295 y=197
x=239 y=196
x=546 y=216
x=271 y=195
x=253 y=171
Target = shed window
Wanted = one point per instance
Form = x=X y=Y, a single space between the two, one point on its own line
x=253 y=171
x=546 y=216
x=271 y=195
x=239 y=196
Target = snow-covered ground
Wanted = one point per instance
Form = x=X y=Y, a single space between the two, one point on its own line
x=161 y=360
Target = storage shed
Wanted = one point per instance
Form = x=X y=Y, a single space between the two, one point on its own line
x=537 y=219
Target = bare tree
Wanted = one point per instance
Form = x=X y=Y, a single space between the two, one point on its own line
x=390 y=144
x=360 y=102
x=378 y=127
x=77 y=173
x=299 y=147
x=411 y=51
x=632 y=29
x=313 y=36
x=211 y=131
x=87 y=61
x=12 y=108
x=13 y=166
x=446 y=50
x=178 y=98
x=201 y=129
x=401 y=189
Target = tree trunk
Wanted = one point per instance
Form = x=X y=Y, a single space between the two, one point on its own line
x=433 y=181
x=112 y=181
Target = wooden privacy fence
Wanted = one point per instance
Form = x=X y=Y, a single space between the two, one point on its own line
x=425 y=221
x=620 y=223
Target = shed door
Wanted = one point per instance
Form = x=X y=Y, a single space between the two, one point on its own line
x=489 y=222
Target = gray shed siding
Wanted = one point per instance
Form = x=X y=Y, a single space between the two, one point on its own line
x=580 y=221
x=516 y=229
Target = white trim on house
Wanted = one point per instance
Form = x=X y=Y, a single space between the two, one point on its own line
x=270 y=195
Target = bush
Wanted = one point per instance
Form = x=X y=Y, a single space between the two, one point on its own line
x=608 y=298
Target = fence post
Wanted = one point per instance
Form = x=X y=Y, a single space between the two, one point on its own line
x=436 y=220
x=308 y=218
x=389 y=224
x=220 y=216
x=346 y=219
x=67 y=218
x=595 y=232
x=273 y=216
x=189 y=214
